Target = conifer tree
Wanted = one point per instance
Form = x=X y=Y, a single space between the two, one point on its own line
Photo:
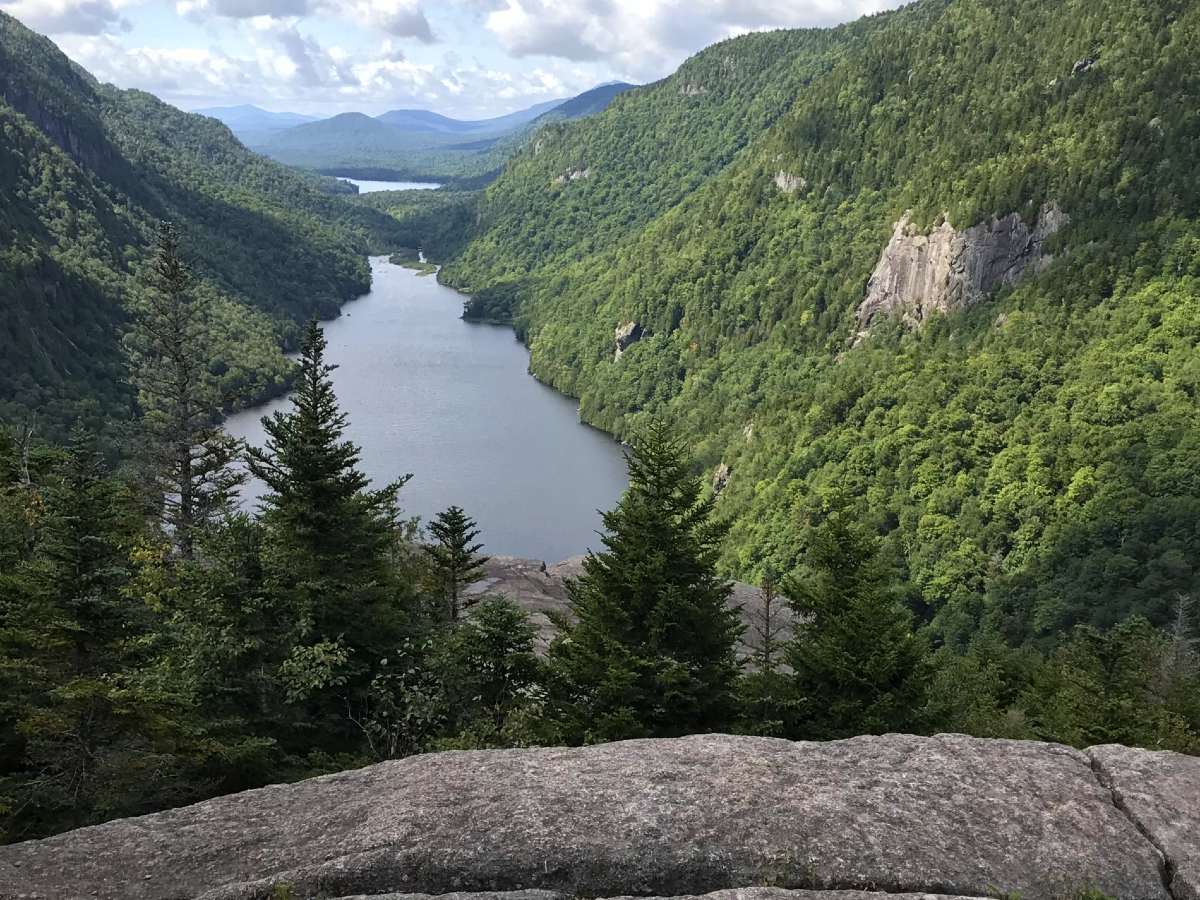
x=87 y=722
x=329 y=542
x=454 y=559
x=652 y=648
x=857 y=663
x=190 y=456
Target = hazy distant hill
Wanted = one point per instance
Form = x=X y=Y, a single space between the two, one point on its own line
x=417 y=144
x=252 y=124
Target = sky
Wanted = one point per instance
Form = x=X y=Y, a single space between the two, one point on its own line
x=466 y=58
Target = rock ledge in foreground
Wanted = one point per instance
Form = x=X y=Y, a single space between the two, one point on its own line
x=947 y=815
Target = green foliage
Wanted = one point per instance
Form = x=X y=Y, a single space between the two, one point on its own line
x=454 y=561
x=190 y=459
x=86 y=174
x=330 y=543
x=652 y=650
x=857 y=663
x=1028 y=461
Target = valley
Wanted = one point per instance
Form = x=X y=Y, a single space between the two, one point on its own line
x=853 y=371
x=453 y=404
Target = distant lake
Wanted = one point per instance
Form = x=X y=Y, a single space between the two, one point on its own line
x=453 y=403
x=370 y=187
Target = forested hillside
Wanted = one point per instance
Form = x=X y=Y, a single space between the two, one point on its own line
x=86 y=174
x=1029 y=458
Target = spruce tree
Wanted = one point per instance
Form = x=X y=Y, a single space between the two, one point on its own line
x=857 y=664
x=652 y=649
x=329 y=543
x=454 y=560
x=190 y=458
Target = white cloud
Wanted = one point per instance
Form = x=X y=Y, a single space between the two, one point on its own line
x=69 y=16
x=400 y=18
x=287 y=69
x=648 y=38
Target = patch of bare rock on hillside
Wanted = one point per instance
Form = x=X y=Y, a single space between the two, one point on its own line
x=947 y=269
x=949 y=815
x=541 y=591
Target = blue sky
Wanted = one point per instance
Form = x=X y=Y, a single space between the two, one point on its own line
x=460 y=57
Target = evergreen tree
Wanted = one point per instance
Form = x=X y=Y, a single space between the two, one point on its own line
x=652 y=648
x=858 y=666
x=87 y=720
x=329 y=545
x=454 y=560
x=765 y=694
x=190 y=457
x=493 y=672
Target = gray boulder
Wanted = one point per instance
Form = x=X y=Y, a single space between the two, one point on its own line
x=541 y=591
x=949 y=815
x=1160 y=792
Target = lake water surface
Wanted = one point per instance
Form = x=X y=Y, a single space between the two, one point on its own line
x=370 y=187
x=453 y=403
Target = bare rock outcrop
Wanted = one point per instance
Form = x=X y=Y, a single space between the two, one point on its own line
x=948 y=815
x=922 y=274
x=1160 y=792
x=789 y=183
x=574 y=174
x=541 y=591
x=625 y=336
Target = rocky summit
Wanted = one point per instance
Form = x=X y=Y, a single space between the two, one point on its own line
x=738 y=818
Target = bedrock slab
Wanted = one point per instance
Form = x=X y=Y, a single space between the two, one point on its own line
x=759 y=893
x=946 y=815
x=1161 y=794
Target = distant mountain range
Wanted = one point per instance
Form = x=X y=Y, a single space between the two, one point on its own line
x=402 y=143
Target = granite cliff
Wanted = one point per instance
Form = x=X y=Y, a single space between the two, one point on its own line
x=948 y=269
x=749 y=818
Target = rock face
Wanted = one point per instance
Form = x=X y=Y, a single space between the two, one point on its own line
x=920 y=274
x=789 y=183
x=721 y=478
x=1160 y=792
x=949 y=815
x=541 y=591
x=575 y=174
x=625 y=336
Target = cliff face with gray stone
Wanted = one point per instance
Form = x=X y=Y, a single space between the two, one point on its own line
x=921 y=274
x=753 y=818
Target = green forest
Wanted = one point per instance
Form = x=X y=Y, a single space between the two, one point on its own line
x=86 y=174
x=157 y=647
x=1029 y=463
x=987 y=524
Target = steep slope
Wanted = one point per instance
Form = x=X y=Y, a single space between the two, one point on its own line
x=586 y=104
x=1027 y=447
x=86 y=172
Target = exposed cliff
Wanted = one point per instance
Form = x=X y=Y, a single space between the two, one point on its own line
x=950 y=815
x=922 y=274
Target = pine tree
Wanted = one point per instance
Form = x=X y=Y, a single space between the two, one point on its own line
x=454 y=559
x=190 y=457
x=330 y=542
x=88 y=722
x=765 y=694
x=858 y=666
x=652 y=649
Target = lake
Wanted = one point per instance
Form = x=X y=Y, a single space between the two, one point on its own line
x=453 y=403
x=370 y=187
